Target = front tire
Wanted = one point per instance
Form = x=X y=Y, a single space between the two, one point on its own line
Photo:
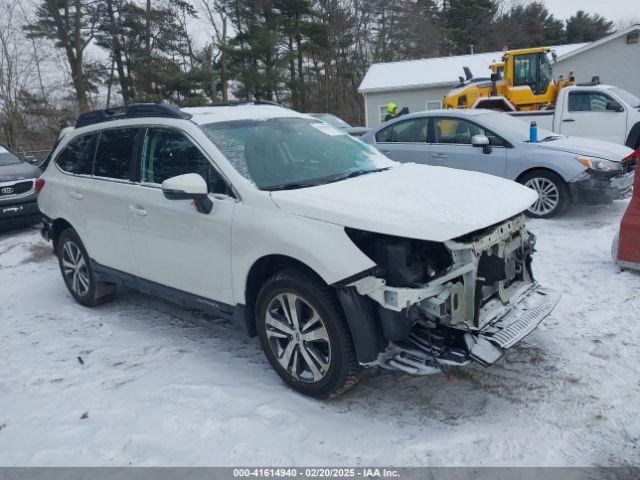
x=75 y=266
x=553 y=194
x=304 y=334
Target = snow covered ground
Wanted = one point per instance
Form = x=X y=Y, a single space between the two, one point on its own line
x=158 y=385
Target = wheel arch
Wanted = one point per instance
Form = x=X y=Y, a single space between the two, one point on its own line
x=263 y=268
x=58 y=226
x=539 y=169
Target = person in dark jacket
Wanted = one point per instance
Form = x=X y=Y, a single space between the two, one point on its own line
x=392 y=111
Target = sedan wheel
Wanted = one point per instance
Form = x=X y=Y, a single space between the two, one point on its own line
x=553 y=194
x=548 y=196
x=298 y=337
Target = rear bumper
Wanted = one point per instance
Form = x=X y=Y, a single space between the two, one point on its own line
x=19 y=213
x=599 y=189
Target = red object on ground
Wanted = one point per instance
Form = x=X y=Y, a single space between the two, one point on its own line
x=629 y=246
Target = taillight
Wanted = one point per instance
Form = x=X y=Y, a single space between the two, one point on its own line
x=39 y=185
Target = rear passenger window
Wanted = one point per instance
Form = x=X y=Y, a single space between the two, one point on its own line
x=114 y=153
x=410 y=131
x=168 y=153
x=77 y=156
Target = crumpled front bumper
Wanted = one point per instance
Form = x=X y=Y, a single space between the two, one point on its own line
x=595 y=188
x=425 y=350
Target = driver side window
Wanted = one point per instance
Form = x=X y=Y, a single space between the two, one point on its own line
x=460 y=132
x=168 y=153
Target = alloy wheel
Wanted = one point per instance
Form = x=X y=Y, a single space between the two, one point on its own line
x=75 y=269
x=548 y=195
x=298 y=337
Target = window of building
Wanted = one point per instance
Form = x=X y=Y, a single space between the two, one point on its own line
x=432 y=105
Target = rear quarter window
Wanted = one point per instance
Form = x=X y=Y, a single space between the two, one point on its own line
x=77 y=155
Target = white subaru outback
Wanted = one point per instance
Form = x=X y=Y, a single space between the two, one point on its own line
x=335 y=256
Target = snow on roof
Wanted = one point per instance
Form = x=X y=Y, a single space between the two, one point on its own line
x=214 y=114
x=431 y=72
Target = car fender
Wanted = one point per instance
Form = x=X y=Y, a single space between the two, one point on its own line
x=562 y=163
x=323 y=247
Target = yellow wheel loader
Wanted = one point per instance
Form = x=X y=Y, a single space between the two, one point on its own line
x=523 y=80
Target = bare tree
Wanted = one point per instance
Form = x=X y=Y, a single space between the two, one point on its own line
x=215 y=14
x=16 y=68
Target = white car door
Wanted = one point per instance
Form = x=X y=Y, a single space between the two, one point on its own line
x=586 y=115
x=98 y=197
x=174 y=244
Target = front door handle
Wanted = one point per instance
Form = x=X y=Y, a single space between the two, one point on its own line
x=75 y=195
x=439 y=156
x=568 y=120
x=138 y=210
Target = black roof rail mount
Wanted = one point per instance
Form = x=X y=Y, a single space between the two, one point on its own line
x=237 y=103
x=135 y=110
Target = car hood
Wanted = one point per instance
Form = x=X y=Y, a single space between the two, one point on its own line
x=587 y=146
x=413 y=201
x=18 y=171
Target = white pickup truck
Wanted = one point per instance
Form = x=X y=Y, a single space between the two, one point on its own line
x=602 y=112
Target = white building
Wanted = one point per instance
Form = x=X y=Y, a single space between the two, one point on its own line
x=422 y=84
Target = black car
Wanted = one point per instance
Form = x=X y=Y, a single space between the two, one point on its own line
x=18 y=204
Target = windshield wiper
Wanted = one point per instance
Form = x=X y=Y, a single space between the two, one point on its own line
x=352 y=174
x=289 y=186
x=550 y=137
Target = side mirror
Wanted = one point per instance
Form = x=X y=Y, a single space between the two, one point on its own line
x=481 y=141
x=190 y=186
x=614 y=106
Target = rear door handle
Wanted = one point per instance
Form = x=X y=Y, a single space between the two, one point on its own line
x=385 y=152
x=439 y=156
x=138 y=210
x=75 y=195
x=568 y=120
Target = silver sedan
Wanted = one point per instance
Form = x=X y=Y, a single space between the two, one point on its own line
x=560 y=169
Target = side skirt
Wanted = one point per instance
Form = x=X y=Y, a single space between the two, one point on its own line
x=187 y=300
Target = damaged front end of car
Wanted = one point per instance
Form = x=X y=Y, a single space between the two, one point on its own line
x=429 y=304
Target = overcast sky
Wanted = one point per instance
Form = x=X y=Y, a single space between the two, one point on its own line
x=616 y=10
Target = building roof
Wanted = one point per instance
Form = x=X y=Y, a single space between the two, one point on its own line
x=608 y=38
x=433 y=72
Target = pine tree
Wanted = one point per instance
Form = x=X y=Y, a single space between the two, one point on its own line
x=583 y=27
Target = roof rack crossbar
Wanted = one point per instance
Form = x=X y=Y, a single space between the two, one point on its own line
x=135 y=110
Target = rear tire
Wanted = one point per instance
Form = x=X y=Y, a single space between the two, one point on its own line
x=553 y=194
x=304 y=334
x=75 y=266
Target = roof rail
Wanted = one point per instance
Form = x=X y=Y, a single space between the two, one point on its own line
x=237 y=103
x=135 y=110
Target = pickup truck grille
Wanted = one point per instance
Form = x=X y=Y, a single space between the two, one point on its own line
x=12 y=189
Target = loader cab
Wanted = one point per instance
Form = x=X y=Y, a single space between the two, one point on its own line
x=530 y=78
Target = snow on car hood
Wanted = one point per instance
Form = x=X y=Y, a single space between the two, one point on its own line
x=586 y=146
x=413 y=201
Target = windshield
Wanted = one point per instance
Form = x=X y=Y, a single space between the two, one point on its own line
x=331 y=120
x=8 y=158
x=513 y=128
x=281 y=153
x=627 y=97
